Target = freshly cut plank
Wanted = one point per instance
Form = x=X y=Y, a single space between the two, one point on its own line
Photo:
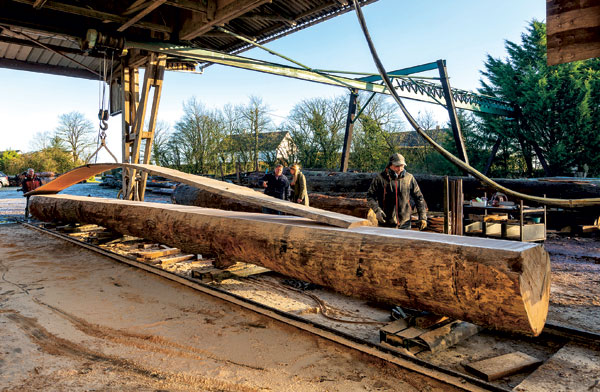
x=504 y=365
x=233 y=191
x=494 y=283
x=192 y=196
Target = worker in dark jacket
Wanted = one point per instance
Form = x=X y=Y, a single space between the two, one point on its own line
x=389 y=196
x=276 y=185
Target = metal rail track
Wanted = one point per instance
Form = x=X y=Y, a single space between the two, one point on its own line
x=387 y=353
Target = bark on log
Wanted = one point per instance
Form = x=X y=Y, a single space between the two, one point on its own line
x=499 y=284
x=191 y=196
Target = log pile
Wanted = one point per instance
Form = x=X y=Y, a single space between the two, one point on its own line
x=499 y=284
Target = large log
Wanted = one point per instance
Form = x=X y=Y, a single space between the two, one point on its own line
x=191 y=196
x=499 y=284
x=217 y=187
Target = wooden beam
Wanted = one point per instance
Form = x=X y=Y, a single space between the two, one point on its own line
x=194 y=28
x=39 y=4
x=136 y=6
x=500 y=284
x=219 y=187
x=190 y=5
x=104 y=16
x=149 y=8
x=573 y=30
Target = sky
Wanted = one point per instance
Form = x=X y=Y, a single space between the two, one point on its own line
x=405 y=33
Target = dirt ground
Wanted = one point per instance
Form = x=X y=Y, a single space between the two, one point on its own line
x=74 y=320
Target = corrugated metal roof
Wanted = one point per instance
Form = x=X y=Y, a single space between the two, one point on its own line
x=44 y=36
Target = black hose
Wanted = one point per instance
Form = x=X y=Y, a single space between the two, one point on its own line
x=448 y=155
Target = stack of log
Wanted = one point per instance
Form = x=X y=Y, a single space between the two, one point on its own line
x=357 y=184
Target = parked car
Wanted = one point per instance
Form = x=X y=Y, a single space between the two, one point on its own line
x=3 y=180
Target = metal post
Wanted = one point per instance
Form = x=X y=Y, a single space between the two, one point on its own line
x=450 y=105
x=349 y=129
x=493 y=154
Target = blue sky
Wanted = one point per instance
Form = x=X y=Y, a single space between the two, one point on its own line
x=405 y=33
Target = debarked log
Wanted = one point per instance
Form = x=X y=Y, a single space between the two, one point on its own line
x=494 y=283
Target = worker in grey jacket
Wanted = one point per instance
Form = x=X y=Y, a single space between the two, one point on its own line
x=389 y=196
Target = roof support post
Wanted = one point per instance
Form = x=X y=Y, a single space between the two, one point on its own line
x=134 y=136
x=458 y=137
x=349 y=128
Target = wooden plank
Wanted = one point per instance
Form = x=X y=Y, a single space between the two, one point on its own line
x=504 y=365
x=502 y=284
x=208 y=184
x=155 y=254
x=581 y=364
x=175 y=259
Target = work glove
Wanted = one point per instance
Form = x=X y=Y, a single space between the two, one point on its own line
x=422 y=223
x=380 y=215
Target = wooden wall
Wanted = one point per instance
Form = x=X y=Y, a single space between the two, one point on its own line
x=573 y=30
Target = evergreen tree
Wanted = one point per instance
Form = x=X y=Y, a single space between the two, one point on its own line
x=558 y=108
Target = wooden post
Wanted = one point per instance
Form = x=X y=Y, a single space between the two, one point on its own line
x=134 y=136
x=521 y=220
x=446 y=206
x=349 y=128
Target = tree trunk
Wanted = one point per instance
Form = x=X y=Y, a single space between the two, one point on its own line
x=499 y=284
x=191 y=196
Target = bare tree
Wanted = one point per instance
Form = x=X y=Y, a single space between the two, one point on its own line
x=77 y=133
x=159 y=146
x=255 y=120
x=317 y=126
x=198 y=137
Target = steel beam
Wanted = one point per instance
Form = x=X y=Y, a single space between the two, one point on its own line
x=349 y=129
x=403 y=71
x=450 y=106
x=406 y=88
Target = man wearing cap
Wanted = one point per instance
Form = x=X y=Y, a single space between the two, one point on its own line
x=389 y=196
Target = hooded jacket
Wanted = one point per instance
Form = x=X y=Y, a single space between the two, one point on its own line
x=393 y=195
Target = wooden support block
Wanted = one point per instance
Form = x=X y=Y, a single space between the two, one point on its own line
x=394 y=327
x=145 y=246
x=217 y=275
x=497 y=367
x=448 y=335
x=175 y=259
x=155 y=254
x=429 y=320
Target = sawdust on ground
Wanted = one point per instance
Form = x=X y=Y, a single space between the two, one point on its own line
x=74 y=320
